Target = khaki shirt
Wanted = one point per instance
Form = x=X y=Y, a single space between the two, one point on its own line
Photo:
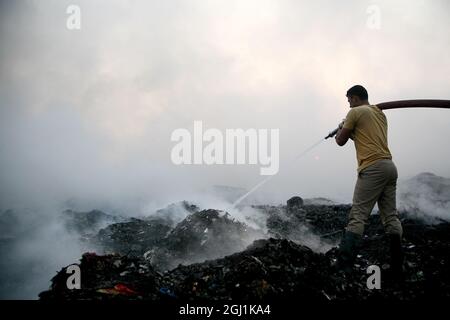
x=369 y=132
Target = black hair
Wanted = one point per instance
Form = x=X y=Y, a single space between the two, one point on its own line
x=358 y=91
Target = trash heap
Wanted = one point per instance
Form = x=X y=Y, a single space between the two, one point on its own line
x=132 y=238
x=323 y=220
x=174 y=213
x=107 y=277
x=209 y=256
x=87 y=222
x=206 y=234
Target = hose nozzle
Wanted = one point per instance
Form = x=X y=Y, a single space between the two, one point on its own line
x=332 y=133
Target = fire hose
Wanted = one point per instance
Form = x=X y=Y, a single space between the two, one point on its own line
x=429 y=103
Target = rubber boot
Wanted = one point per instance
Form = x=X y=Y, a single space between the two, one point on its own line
x=348 y=250
x=397 y=256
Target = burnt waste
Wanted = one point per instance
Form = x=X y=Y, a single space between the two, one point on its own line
x=208 y=255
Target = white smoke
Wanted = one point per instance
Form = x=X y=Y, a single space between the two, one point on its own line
x=38 y=245
x=425 y=196
x=87 y=115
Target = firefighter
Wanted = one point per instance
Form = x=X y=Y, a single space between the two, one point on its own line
x=367 y=126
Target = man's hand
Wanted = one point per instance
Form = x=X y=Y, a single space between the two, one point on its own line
x=343 y=134
x=339 y=128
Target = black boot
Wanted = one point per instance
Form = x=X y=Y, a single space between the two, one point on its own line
x=396 y=256
x=348 y=250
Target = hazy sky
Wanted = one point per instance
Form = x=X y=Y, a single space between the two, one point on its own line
x=88 y=114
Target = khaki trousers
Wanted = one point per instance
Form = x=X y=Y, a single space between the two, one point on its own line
x=376 y=183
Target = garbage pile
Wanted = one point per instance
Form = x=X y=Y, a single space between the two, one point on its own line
x=132 y=238
x=174 y=213
x=87 y=223
x=283 y=221
x=206 y=234
x=209 y=256
x=326 y=222
x=107 y=277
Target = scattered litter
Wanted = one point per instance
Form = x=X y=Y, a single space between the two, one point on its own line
x=234 y=264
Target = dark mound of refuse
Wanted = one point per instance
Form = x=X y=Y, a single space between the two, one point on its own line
x=268 y=269
x=294 y=202
x=107 y=277
x=202 y=235
x=89 y=222
x=322 y=220
x=174 y=213
x=206 y=234
x=137 y=236
x=132 y=238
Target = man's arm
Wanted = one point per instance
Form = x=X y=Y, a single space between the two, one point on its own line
x=342 y=136
x=346 y=127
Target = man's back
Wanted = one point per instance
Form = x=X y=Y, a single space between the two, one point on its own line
x=369 y=132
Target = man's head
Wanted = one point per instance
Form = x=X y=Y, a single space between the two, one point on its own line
x=357 y=96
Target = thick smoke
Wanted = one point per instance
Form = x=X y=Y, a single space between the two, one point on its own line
x=35 y=245
x=86 y=116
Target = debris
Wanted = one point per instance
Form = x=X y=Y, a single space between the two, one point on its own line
x=134 y=237
x=118 y=289
x=294 y=202
x=188 y=243
x=87 y=223
x=232 y=261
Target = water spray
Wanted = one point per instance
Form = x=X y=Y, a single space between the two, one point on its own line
x=383 y=106
x=303 y=153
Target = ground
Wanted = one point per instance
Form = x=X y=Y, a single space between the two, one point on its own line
x=209 y=256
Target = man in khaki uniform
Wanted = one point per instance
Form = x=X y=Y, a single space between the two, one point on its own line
x=367 y=126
